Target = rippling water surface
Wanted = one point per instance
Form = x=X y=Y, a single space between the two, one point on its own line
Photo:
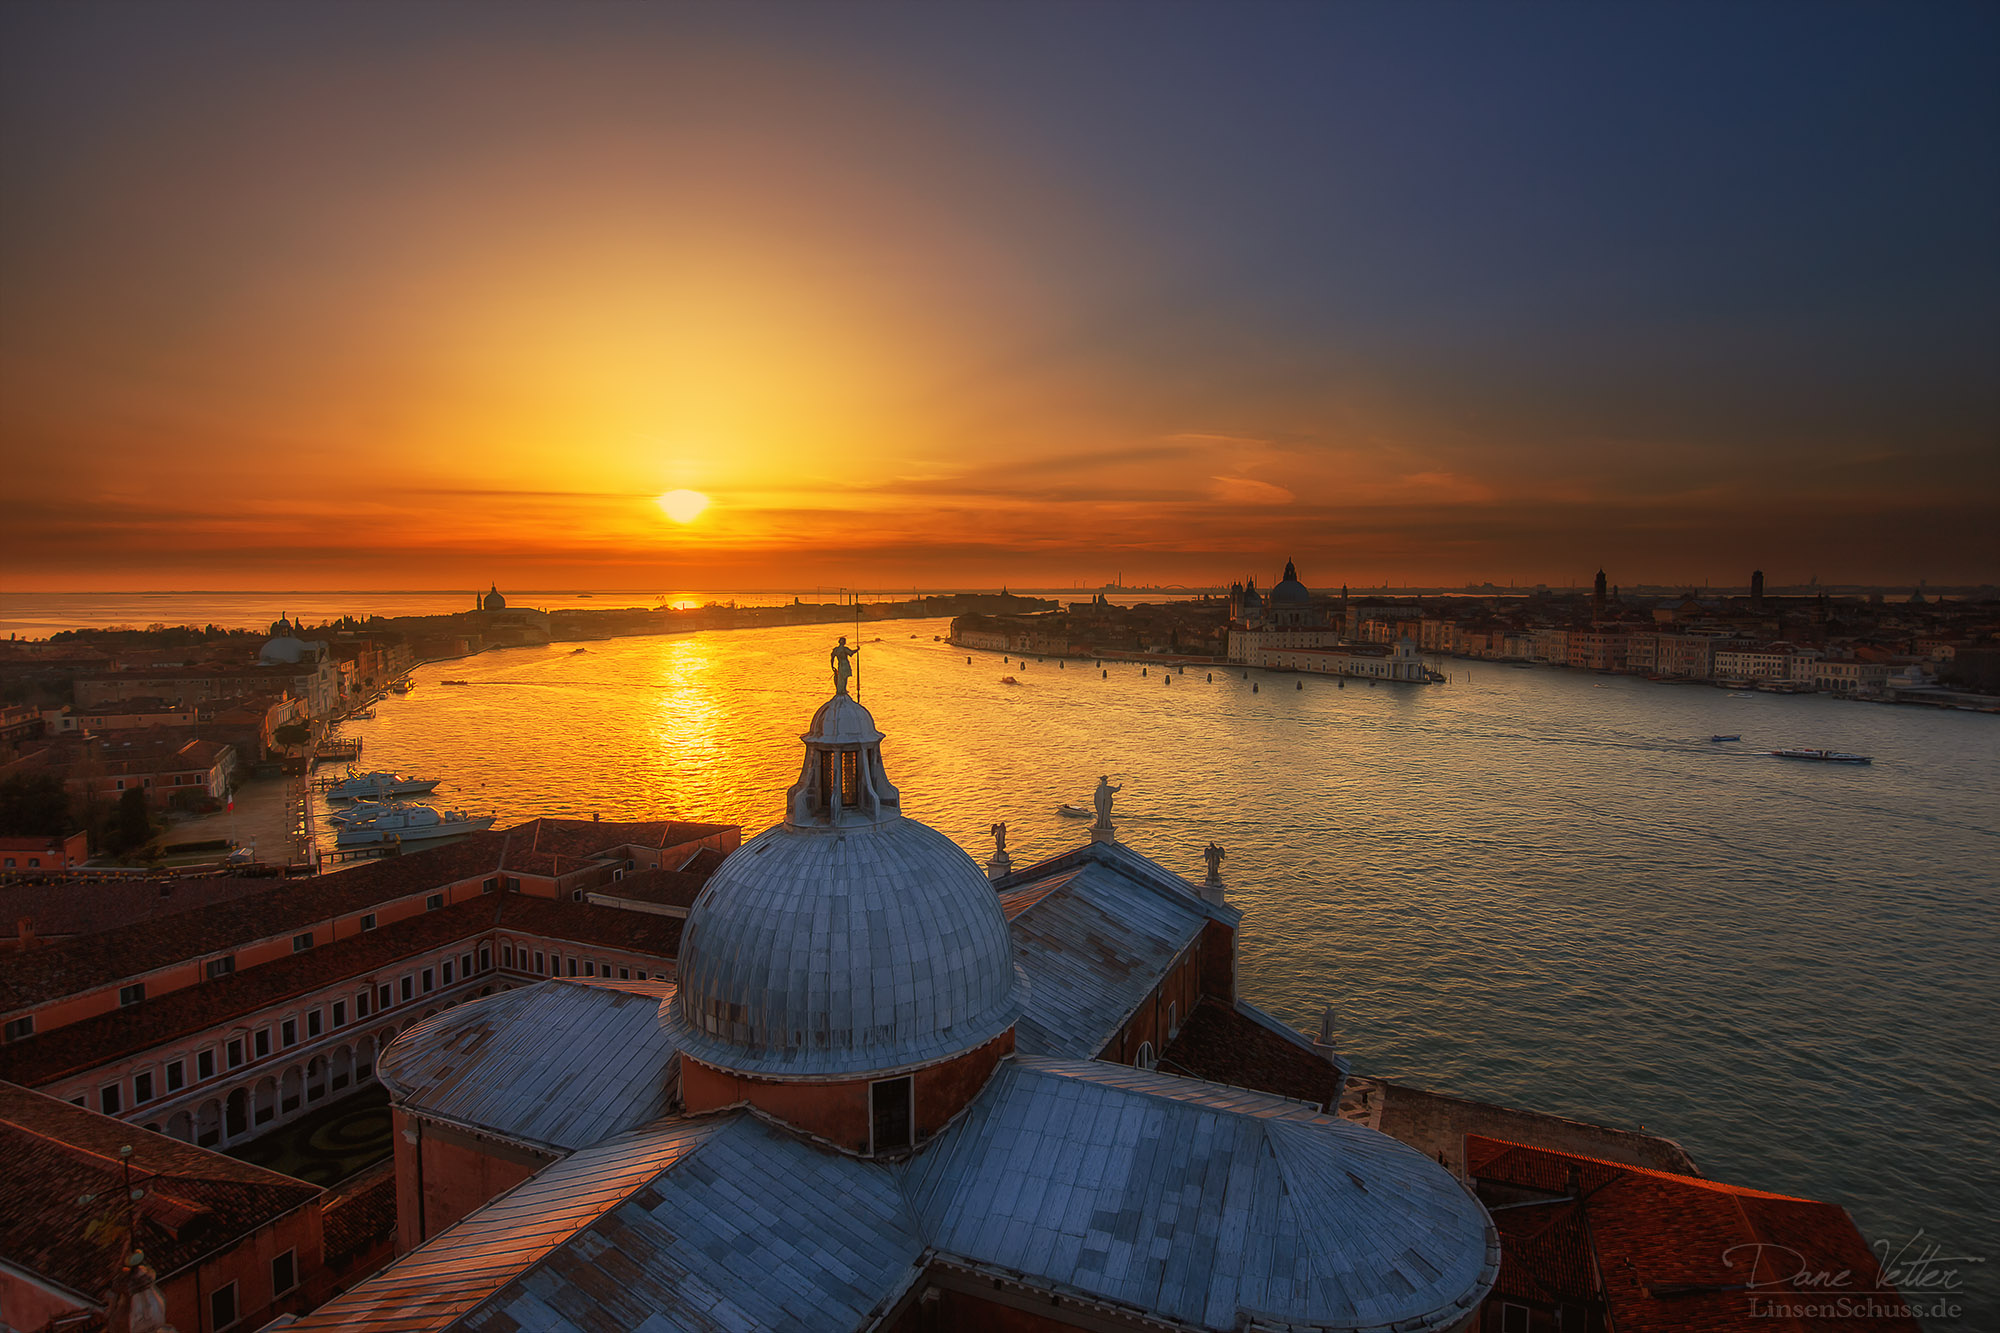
x=1541 y=887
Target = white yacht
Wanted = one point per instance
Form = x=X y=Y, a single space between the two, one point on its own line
x=361 y=810
x=410 y=823
x=376 y=786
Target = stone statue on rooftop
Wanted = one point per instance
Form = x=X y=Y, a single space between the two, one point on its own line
x=1101 y=798
x=1002 y=864
x=841 y=668
x=1213 y=855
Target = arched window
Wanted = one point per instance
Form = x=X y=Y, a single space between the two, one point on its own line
x=1173 y=1019
x=1144 y=1059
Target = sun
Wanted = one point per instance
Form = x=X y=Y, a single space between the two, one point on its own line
x=683 y=506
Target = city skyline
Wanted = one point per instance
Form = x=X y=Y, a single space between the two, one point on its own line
x=325 y=297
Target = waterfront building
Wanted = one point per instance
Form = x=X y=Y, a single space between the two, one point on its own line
x=164 y=767
x=1851 y=677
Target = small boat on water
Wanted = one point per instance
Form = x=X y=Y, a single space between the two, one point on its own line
x=1009 y=680
x=399 y=687
x=454 y=682
x=574 y=651
x=1740 y=694
x=1071 y=812
x=376 y=786
x=1822 y=756
x=361 y=715
x=410 y=823
x=1719 y=739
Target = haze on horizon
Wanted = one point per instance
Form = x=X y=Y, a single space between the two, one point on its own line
x=319 y=296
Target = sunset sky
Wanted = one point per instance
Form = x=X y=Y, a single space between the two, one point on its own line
x=411 y=296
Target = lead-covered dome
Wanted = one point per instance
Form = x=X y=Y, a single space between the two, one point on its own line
x=847 y=940
x=1289 y=590
x=827 y=953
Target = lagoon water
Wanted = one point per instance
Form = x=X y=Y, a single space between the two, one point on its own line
x=1541 y=887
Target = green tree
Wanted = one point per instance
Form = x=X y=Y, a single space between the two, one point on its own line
x=292 y=735
x=34 y=805
x=132 y=823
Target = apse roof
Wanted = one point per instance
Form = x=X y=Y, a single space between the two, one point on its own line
x=1206 y=1207
x=560 y=1064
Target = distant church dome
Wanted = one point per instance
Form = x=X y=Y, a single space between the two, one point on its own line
x=1289 y=591
x=847 y=940
x=1249 y=601
x=284 y=650
x=493 y=601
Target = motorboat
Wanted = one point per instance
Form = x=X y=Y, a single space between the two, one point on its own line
x=574 y=651
x=376 y=786
x=400 y=687
x=454 y=682
x=1009 y=680
x=1822 y=756
x=1717 y=740
x=1071 y=812
x=411 y=823
x=361 y=810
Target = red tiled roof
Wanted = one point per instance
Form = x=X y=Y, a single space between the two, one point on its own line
x=86 y=963
x=548 y=846
x=364 y=1214
x=83 y=908
x=1673 y=1252
x=1221 y=1044
x=56 y=1153
x=94 y=1041
x=670 y=888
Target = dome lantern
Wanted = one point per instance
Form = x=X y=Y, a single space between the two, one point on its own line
x=842 y=782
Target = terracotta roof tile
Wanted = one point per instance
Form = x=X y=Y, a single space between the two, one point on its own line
x=68 y=908
x=363 y=1214
x=193 y=1009
x=56 y=1153
x=1674 y=1252
x=87 y=963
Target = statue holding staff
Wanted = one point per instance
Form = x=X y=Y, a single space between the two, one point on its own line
x=1101 y=798
x=839 y=659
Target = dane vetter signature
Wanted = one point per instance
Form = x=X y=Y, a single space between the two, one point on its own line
x=1917 y=1264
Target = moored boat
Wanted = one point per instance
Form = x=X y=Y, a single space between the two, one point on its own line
x=361 y=810
x=413 y=823
x=377 y=786
x=1717 y=739
x=1071 y=812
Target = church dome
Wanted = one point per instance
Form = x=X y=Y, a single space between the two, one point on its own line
x=493 y=601
x=1288 y=590
x=848 y=940
x=284 y=651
